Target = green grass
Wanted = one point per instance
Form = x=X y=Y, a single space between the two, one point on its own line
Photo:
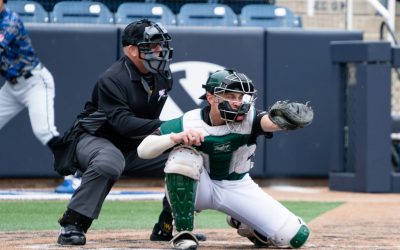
x=43 y=215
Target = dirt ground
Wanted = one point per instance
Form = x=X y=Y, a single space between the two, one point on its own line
x=364 y=221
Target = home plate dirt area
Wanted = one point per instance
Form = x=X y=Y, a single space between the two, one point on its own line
x=363 y=221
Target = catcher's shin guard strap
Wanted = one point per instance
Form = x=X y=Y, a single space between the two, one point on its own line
x=182 y=195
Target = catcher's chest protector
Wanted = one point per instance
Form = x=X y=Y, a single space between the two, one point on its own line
x=226 y=154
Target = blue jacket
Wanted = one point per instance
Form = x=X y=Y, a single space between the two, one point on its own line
x=17 y=54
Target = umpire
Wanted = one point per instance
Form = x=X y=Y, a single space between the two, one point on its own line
x=125 y=106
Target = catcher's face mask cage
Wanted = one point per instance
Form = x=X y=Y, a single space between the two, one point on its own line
x=235 y=83
x=155 y=49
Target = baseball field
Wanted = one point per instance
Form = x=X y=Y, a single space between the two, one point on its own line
x=338 y=220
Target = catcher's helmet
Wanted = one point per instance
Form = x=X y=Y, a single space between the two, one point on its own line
x=229 y=80
x=147 y=35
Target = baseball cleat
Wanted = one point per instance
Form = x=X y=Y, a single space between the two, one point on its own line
x=71 y=235
x=163 y=234
x=200 y=237
x=244 y=231
x=184 y=240
x=232 y=222
x=68 y=186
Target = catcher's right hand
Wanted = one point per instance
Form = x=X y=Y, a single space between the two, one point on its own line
x=291 y=115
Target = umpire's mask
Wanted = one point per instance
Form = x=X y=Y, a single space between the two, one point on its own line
x=152 y=40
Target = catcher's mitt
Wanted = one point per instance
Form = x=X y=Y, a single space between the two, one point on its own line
x=291 y=115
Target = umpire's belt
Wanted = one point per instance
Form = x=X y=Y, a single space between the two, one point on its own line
x=25 y=76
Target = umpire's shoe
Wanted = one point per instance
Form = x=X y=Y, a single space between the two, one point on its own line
x=184 y=240
x=73 y=228
x=71 y=235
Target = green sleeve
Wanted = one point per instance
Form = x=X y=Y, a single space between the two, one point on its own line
x=171 y=126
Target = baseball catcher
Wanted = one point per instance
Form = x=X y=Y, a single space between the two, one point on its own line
x=210 y=159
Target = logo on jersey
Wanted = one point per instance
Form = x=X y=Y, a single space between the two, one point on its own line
x=190 y=75
x=223 y=148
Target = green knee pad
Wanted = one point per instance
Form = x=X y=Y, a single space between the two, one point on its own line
x=182 y=196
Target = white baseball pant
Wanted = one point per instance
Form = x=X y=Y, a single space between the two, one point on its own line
x=37 y=95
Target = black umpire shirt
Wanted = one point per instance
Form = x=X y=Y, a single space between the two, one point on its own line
x=125 y=105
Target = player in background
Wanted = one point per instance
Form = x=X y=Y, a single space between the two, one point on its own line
x=208 y=166
x=28 y=83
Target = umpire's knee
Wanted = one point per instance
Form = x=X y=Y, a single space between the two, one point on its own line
x=110 y=163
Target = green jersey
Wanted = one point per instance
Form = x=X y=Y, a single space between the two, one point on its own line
x=226 y=152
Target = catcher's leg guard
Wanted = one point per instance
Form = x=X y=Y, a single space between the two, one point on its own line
x=182 y=195
x=182 y=173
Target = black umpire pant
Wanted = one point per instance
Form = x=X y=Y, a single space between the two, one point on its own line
x=105 y=165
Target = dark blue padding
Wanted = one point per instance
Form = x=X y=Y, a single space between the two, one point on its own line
x=361 y=51
x=367 y=79
x=396 y=56
x=298 y=67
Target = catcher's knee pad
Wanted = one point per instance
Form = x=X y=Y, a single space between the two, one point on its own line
x=294 y=233
x=182 y=174
x=185 y=161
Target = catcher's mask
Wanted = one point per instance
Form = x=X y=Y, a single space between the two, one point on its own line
x=228 y=80
x=147 y=36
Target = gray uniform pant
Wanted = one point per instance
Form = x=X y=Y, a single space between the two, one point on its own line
x=105 y=165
